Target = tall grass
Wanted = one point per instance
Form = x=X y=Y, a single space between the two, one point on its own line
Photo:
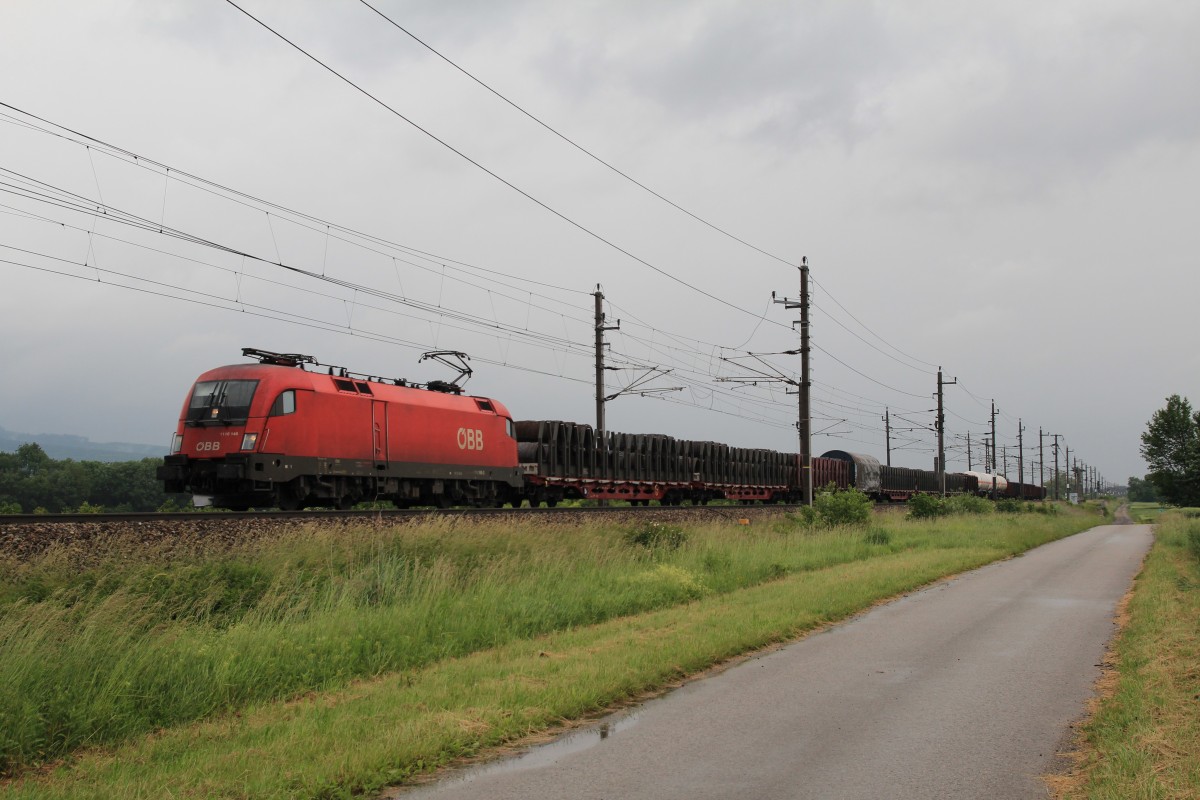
x=1142 y=741
x=100 y=645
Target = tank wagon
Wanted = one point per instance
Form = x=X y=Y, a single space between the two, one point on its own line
x=990 y=485
x=282 y=433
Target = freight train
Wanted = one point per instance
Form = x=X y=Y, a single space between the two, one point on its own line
x=278 y=434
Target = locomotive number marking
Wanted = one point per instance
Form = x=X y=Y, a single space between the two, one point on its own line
x=470 y=439
x=207 y=446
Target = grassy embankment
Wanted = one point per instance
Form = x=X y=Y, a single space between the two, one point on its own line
x=327 y=663
x=1142 y=743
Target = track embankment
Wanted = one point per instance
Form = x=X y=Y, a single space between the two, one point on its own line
x=27 y=536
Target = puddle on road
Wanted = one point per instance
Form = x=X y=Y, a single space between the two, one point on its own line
x=536 y=757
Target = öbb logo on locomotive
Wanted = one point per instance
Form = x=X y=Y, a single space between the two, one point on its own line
x=470 y=439
x=277 y=433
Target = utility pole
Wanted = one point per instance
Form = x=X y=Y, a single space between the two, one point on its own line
x=1067 y=471
x=1020 y=453
x=1004 y=452
x=993 y=469
x=941 y=432
x=968 y=451
x=804 y=426
x=1041 y=460
x=887 y=433
x=1056 y=435
x=600 y=329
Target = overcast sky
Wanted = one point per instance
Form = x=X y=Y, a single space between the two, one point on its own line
x=1008 y=190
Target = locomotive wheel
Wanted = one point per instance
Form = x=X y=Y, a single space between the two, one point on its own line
x=289 y=498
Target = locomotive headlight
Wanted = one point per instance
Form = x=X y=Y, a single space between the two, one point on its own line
x=248 y=441
x=177 y=443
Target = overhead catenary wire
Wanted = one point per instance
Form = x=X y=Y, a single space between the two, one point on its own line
x=693 y=352
x=570 y=221
x=141 y=161
x=575 y=144
x=250 y=201
x=646 y=188
x=69 y=201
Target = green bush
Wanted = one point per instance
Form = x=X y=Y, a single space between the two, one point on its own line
x=926 y=506
x=806 y=516
x=848 y=507
x=656 y=536
x=1009 y=505
x=967 y=504
x=878 y=536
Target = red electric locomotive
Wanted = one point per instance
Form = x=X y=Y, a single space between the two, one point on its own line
x=277 y=434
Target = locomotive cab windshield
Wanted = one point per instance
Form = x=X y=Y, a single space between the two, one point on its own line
x=220 y=403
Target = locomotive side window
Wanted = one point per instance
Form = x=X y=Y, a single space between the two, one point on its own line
x=221 y=402
x=509 y=428
x=284 y=404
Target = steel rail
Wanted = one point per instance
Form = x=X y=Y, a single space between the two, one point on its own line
x=394 y=513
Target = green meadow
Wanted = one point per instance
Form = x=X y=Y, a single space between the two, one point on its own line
x=332 y=662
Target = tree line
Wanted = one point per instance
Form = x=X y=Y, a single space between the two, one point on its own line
x=31 y=481
x=1171 y=447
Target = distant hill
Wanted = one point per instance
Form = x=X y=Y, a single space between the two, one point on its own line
x=79 y=448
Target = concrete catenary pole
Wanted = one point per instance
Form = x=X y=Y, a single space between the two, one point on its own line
x=805 y=385
x=887 y=433
x=1021 y=454
x=941 y=432
x=1056 y=479
x=1041 y=460
x=600 y=329
x=599 y=363
x=994 y=443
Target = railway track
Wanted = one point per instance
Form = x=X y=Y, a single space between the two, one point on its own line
x=25 y=536
x=397 y=514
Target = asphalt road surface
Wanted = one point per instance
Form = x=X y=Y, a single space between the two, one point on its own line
x=964 y=690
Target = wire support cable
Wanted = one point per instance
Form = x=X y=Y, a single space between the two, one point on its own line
x=575 y=144
x=301 y=219
x=577 y=225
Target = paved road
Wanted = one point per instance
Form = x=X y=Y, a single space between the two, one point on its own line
x=963 y=690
